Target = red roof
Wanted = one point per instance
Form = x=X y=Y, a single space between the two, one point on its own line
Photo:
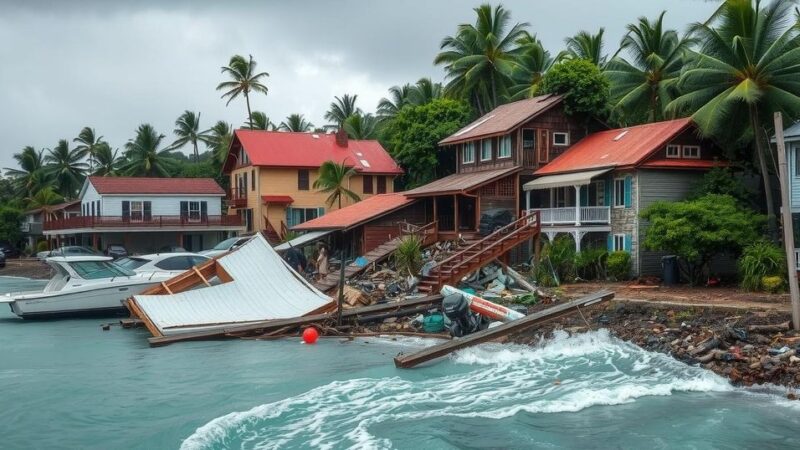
x=277 y=199
x=683 y=164
x=357 y=213
x=284 y=149
x=617 y=148
x=156 y=186
x=503 y=118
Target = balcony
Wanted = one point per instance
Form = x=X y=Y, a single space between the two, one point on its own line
x=155 y=222
x=31 y=227
x=589 y=215
x=237 y=198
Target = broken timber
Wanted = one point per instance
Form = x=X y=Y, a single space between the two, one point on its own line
x=538 y=318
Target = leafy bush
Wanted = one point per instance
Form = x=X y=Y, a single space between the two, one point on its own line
x=697 y=230
x=583 y=85
x=290 y=235
x=761 y=260
x=590 y=264
x=619 y=265
x=41 y=246
x=408 y=256
x=773 y=285
x=722 y=181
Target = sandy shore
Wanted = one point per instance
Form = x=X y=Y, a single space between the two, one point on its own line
x=27 y=268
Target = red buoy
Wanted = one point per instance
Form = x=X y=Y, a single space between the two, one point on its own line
x=310 y=335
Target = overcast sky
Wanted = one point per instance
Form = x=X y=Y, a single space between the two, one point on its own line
x=68 y=64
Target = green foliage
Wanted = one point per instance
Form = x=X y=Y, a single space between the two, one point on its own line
x=296 y=123
x=722 y=181
x=619 y=265
x=243 y=80
x=585 y=89
x=341 y=108
x=412 y=136
x=408 y=256
x=144 y=155
x=10 y=219
x=586 y=46
x=526 y=299
x=41 y=246
x=556 y=262
x=333 y=180
x=290 y=235
x=590 y=264
x=696 y=230
x=774 y=284
x=760 y=260
x=198 y=170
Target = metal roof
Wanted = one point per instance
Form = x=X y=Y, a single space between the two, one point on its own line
x=564 y=179
x=303 y=240
x=155 y=186
x=357 y=213
x=460 y=183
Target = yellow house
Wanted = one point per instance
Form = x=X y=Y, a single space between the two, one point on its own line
x=273 y=174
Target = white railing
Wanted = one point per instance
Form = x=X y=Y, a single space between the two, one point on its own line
x=566 y=216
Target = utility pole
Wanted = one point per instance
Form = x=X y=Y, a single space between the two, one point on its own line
x=786 y=215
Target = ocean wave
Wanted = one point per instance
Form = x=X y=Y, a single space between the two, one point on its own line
x=565 y=374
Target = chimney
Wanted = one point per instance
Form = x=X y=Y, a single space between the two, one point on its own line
x=341 y=137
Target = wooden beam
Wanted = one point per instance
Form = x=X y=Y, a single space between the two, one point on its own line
x=200 y=275
x=166 y=288
x=437 y=351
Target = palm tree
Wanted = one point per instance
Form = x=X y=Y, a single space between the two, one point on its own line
x=585 y=45
x=333 y=180
x=106 y=160
x=398 y=98
x=220 y=139
x=481 y=58
x=341 y=109
x=260 y=122
x=66 y=167
x=361 y=126
x=30 y=175
x=143 y=156
x=534 y=62
x=745 y=70
x=424 y=91
x=88 y=142
x=243 y=80
x=187 y=128
x=44 y=197
x=642 y=88
x=297 y=123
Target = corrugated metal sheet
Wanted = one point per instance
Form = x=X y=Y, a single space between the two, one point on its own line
x=460 y=182
x=357 y=213
x=300 y=241
x=566 y=179
x=503 y=118
x=263 y=288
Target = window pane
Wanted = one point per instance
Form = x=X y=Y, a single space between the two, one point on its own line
x=528 y=138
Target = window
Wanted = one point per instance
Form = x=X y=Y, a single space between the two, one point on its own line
x=175 y=263
x=619 y=192
x=505 y=147
x=528 y=139
x=691 y=151
x=486 y=150
x=92 y=209
x=797 y=164
x=193 y=211
x=244 y=184
x=367 y=184
x=468 y=153
x=673 y=151
x=381 y=185
x=296 y=216
x=302 y=180
x=560 y=138
x=130 y=263
x=619 y=243
x=253 y=180
x=98 y=208
x=597 y=191
x=93 y=270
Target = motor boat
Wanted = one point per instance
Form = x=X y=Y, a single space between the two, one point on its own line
x=172 y=264
x=82 y=286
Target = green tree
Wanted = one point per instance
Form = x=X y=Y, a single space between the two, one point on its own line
x=66 y=167
x=10 y=219
x=723 y=181
x=746 y=69
x=398 y=98
x=145 y=158
x=187 y=129
x=424 y=91
x=29 y=177
x=220 y=136
x=585 y=45
x=243 y=80
x=45 y=197
x=106 y=161
x=296 y=123
x=260 y=122
x=88 y=143
x=333 y=180
x=342 y=108
x=534 y=62
x=480 y=59
x=642 y=88
x=361 y=126
x=585 y=89
x=413 y=135
x=697 y=230
x=198 y=170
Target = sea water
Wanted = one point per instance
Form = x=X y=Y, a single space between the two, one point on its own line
x=68 y=384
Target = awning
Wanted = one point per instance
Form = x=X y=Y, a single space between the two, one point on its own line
x=565 y=179
x=302 y=240
x=276 y=199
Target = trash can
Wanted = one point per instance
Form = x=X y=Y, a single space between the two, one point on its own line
x=670 y=271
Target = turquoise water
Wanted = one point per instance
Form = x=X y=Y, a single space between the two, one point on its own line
x=68 y=384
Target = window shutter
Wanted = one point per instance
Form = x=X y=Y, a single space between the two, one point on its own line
x=126 y=210
x=584 y=195
x=628 y=188
x=253 y=180
x=628 y=245
x=148 y=211
x=610 y=242
x=184 y=209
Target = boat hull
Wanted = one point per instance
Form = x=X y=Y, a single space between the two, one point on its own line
x=101 y=302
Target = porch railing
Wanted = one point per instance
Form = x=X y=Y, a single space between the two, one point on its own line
x=204 y=221
x=237 y=198
x=567 y=215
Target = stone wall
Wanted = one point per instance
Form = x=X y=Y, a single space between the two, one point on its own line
x=626 y=220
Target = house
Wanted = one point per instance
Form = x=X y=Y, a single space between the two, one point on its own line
x=273 y=173
x=146 y=214
x=791 y=138
x=595 y=190
x=34 y=219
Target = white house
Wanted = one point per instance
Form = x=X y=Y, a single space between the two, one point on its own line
x=146 y=214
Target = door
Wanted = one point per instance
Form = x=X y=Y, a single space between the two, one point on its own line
x=466 y=213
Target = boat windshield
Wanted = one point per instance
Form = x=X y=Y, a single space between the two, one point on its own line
x=92 y=270
x=131 y=263
x=226 y=244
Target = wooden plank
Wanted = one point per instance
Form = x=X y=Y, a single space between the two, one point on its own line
x=200 y=275
x=437 y=351
x=166 y=288
x=133 y=307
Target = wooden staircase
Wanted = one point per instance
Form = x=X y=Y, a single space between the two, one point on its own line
x=271 y=234
x=480 y=253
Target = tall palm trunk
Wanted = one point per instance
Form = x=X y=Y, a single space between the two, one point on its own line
x=772 y=226
x=249 y=113
x=196 y=152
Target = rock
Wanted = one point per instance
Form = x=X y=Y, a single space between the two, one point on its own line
x=793 y=359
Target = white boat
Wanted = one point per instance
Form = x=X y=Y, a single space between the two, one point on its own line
x=172 y=264
x=81 y=286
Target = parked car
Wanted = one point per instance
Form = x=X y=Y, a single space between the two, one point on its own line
x=8 y=250
x=116 y=251
x=494 y=219
x=2 y=260
x=175 y=263
x=225 y=246
x=171 y=249
x=69 y=250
